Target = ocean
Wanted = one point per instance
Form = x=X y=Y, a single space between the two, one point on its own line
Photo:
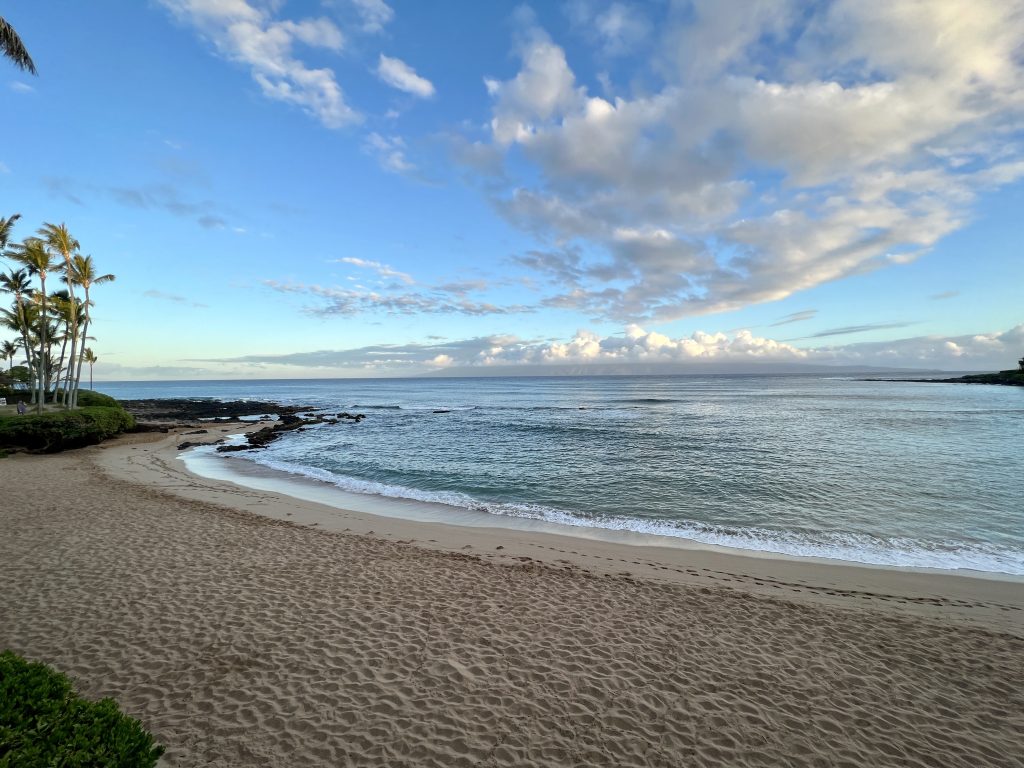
x=885 y=473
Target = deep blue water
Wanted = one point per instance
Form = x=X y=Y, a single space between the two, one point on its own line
x=880 y=472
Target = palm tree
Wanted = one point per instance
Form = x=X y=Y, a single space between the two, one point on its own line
x=90 y=357
x=34 y=255
x=9 y=349
x=60 y=310
x=6 y=225
x=83 y=273
x=13 y=48
x=62 y=244
x=16 y=281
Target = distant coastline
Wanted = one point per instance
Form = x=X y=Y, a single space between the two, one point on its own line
x=1002 y=378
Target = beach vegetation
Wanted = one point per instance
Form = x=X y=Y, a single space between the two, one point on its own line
x=33 y=255
x=44 y=722
x=88 y=397
x=90 y=357
x=81 y=271
x=60 y=430
x=8 y=349
x=1009 y=378
x=52 y=328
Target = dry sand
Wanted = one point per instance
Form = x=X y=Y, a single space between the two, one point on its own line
x=242 y=640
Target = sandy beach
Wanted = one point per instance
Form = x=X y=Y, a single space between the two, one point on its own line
x=248 y=628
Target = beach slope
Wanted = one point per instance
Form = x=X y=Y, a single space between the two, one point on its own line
x=241 y=640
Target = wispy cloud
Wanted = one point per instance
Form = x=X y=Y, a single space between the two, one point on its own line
x=62 y=187
x=850 y=329
x=390 y=153
x=19 y=87
x=381 y=269
x=944 y=295
x=252 y=36
x=615 y=27
x=796 y=317
x=172 y=297
x=208 y=221
x=375 y=14
x=356 y=301
x=400 y=75
x=162 y=196
x=169 y=198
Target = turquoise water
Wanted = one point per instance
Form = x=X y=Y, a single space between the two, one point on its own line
x=926 y=475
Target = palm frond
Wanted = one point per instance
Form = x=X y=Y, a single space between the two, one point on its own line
x=14 y=49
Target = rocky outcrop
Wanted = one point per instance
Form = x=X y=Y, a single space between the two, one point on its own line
x=261 y=438
x=1004 y=378
x=196 y=408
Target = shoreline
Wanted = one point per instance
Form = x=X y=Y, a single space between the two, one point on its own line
x=306 y=488
x=298 y=486
x=241 y=633
x=993 y=600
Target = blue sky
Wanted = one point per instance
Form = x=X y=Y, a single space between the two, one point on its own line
x=361 y=187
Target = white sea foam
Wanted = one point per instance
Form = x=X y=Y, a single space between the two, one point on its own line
x=850 y=547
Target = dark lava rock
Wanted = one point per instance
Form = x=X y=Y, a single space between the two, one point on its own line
x=190 y=444
x=192 y=409
x=146 y=426
x=287 y=423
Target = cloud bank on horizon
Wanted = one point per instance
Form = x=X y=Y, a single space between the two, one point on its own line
x=639 y=346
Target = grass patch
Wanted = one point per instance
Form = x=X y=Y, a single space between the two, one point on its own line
x=43 y=722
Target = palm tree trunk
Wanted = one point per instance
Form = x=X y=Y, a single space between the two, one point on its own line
x=42 y=348
x=74 y=328
x=81 y=354
x=60 y=367
x=68 y=401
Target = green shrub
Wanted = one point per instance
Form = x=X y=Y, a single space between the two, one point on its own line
x=14 y=395
x=88 y=397
x=60 y=430
x=43 y=722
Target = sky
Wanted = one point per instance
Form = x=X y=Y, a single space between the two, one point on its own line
x=320 y=188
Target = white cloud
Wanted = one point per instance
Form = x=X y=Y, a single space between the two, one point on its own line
x=762 y=166
x=381 y=269
x=252 y=36
x=400 y=75
x=375 y=14
x=545 y=87
x=4 y=168
x=390 y=152
x=19 y=87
